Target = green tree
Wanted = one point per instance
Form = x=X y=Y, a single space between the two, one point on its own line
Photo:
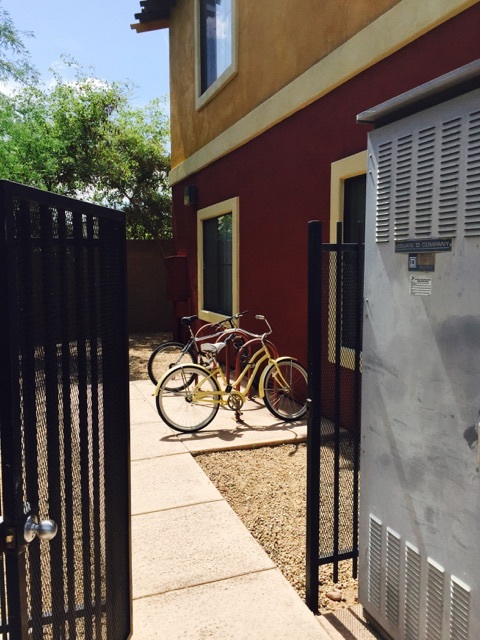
x=85 y=139
x=14 y=56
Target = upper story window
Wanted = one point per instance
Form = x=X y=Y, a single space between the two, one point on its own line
x=215 y=39
x=216 y=49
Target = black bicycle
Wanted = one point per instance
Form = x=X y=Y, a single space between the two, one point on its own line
x=171 y=353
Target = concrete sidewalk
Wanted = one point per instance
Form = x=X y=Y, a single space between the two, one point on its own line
x=197 y=571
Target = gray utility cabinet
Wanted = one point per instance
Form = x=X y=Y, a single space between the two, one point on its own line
x=420 y=467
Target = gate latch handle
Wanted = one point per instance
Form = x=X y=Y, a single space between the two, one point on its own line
x=45 y=529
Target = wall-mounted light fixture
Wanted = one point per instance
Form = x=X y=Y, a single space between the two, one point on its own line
x=190 y=193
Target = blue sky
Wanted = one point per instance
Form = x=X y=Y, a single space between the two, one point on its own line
x=95 y=33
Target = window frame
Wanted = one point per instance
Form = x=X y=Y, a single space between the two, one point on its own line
x=341 y=170
x=203 y=98
x=230 y=206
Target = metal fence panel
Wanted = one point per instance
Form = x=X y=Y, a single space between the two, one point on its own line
x=333 y=437
x=64 y=420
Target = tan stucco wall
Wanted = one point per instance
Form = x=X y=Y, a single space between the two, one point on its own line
x=277 y=41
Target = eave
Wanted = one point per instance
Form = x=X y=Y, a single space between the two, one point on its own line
x=155 y=14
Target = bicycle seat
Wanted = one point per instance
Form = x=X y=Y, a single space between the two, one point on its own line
x=188 y=320
x=213 y=349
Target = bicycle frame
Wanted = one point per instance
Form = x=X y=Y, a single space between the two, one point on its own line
x=196 y=339
x=253 y=365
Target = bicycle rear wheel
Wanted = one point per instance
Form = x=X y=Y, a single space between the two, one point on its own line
x=188 y=398
x=286 y=390
x=166 y=356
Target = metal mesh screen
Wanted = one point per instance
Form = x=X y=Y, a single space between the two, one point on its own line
x=339 y=444
x=68 y=350
x=333 y=438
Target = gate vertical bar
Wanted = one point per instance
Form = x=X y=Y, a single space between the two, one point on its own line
x=97 y=452
x=5 y=383
x=65 y=279
x=29 y=271
x=83 y=415
x=3 y=599
x=10 y=432
x=357 y=392
x=314 y=414
x=26 y=228
x=50 y=327
x=338 y=355
x=116 y=412
x=5 y=376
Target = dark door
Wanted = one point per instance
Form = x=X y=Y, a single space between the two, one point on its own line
x=64 y=443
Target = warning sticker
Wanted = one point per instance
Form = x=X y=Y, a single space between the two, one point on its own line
x=421 y=285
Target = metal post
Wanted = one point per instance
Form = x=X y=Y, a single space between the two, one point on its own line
x=11 y=444
x=66 y=332
x=314 y=413
x=357 y=392
x=338 y=355
x=114 y=337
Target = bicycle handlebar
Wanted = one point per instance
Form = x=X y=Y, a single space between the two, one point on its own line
x=186 y=321
x=220 y=326
x=232 y=318
x=262 y=336
x=262 y=317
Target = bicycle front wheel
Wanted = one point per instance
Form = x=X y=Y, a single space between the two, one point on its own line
x=286 y=390
x=188 y=398
x=166 y=356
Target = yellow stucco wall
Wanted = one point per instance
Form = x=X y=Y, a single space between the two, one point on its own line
x=277 y=41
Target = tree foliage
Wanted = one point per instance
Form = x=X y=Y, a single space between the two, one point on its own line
x=14 y=56
x=83 y=138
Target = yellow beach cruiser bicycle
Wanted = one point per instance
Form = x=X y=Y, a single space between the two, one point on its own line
x=189 y=395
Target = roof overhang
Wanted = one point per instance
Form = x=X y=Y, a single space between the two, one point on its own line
x=445 y=87
x=155 y=14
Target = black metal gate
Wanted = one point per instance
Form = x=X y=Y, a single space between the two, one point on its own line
x=335 y=305
x=64 y=419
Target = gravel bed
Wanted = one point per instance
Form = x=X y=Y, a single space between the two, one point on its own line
x=266 y=488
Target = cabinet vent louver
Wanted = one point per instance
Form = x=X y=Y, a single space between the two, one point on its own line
x=384 y=190
x=413 y=571
x=460 y=609
x=472 y=197
x=428 y=180
x=425 y=173
x=403 y=187
x=392 y=577
x=435 y=591
x=449 y=177
x=375 y=561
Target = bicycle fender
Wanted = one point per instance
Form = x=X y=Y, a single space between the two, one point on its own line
x=159 y=383
x=261 y=389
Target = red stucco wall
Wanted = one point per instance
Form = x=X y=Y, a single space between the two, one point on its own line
x=282 y=179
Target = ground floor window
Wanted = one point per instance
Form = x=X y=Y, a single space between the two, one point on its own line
x=217 y=238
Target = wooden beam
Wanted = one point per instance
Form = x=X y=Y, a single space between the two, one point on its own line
x=154 y=25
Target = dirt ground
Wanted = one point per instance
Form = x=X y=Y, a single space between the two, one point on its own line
x=266 y=488
x=141 y=346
